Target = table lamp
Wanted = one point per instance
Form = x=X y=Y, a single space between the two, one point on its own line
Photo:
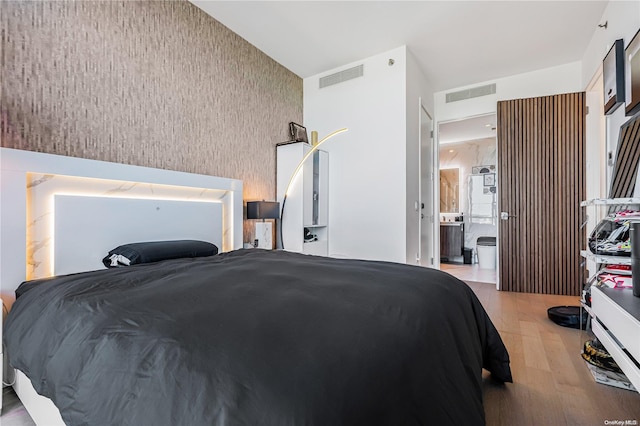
x=263 y=210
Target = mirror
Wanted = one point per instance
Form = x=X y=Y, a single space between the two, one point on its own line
x=449 y=190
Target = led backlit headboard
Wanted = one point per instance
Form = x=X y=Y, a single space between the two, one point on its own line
x=61 y=214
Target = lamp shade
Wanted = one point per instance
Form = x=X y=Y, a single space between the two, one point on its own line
x=263 y=210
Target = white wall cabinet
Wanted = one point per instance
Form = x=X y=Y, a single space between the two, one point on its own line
x=307 y=204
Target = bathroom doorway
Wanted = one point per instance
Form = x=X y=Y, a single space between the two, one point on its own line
x=468 y=198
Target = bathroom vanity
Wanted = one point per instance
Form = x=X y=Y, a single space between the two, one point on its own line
x=451 y=240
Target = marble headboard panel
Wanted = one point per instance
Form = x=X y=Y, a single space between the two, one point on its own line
x=50 y=204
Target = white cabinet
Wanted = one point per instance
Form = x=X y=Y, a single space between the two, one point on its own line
x=306 y=205
x=616 y=324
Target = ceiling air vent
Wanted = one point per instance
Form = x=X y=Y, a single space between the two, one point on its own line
x=474 y=92
x=339 y=77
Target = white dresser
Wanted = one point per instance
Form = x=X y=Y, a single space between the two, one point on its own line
x=616 y=324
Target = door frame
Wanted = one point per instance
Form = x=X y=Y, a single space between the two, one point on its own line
x=437 y=181
x=598 y=179
x=435 y=211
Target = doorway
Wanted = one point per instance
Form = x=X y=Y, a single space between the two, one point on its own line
x=467 y=164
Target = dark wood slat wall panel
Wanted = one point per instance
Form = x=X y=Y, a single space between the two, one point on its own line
x=625 y=170
x=541 y=165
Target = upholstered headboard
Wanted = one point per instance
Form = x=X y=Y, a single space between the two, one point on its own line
x=61 y=215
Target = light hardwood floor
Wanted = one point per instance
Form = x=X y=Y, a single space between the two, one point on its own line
x=552 y=385
x=470 y=272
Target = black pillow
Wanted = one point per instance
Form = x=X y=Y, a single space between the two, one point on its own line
x=155 y=251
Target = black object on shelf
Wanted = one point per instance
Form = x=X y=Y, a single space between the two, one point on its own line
x=634 y=239
x=609 y=235
x=467 y=253
x=308 y=236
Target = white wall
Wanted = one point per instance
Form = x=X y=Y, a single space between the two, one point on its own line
x=623 y=21
x=367 y=165
x=549 y=81
x=371 y=191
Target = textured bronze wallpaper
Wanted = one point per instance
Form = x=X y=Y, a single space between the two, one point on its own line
x=151 y=83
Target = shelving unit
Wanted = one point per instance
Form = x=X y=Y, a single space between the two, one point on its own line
x=610 y=202
x=615 y=313
x=307 y=201
x=607 y=202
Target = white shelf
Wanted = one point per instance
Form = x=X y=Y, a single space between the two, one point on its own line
x=609 y=201
x=318 y=248
x=601 y=258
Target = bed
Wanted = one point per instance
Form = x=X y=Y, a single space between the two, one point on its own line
x=251 y=336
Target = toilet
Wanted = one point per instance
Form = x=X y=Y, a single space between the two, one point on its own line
x=486 y=247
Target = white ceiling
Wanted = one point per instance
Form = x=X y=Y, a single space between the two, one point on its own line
x=474 y=128
x=456 y=43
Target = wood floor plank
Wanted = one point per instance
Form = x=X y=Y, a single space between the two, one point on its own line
x=578 y=409
x=567 y=377
x=529 y=328
x=534 y=354
x=547 y=407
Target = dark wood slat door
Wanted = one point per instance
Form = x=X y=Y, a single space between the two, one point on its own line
x=541 y=181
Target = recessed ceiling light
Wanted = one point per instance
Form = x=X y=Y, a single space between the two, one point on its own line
x=487 y=125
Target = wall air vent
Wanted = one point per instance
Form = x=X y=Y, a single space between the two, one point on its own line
x=339 y=77
x=474 y=92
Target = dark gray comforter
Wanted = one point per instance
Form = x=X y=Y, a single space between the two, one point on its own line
x=256 y=337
